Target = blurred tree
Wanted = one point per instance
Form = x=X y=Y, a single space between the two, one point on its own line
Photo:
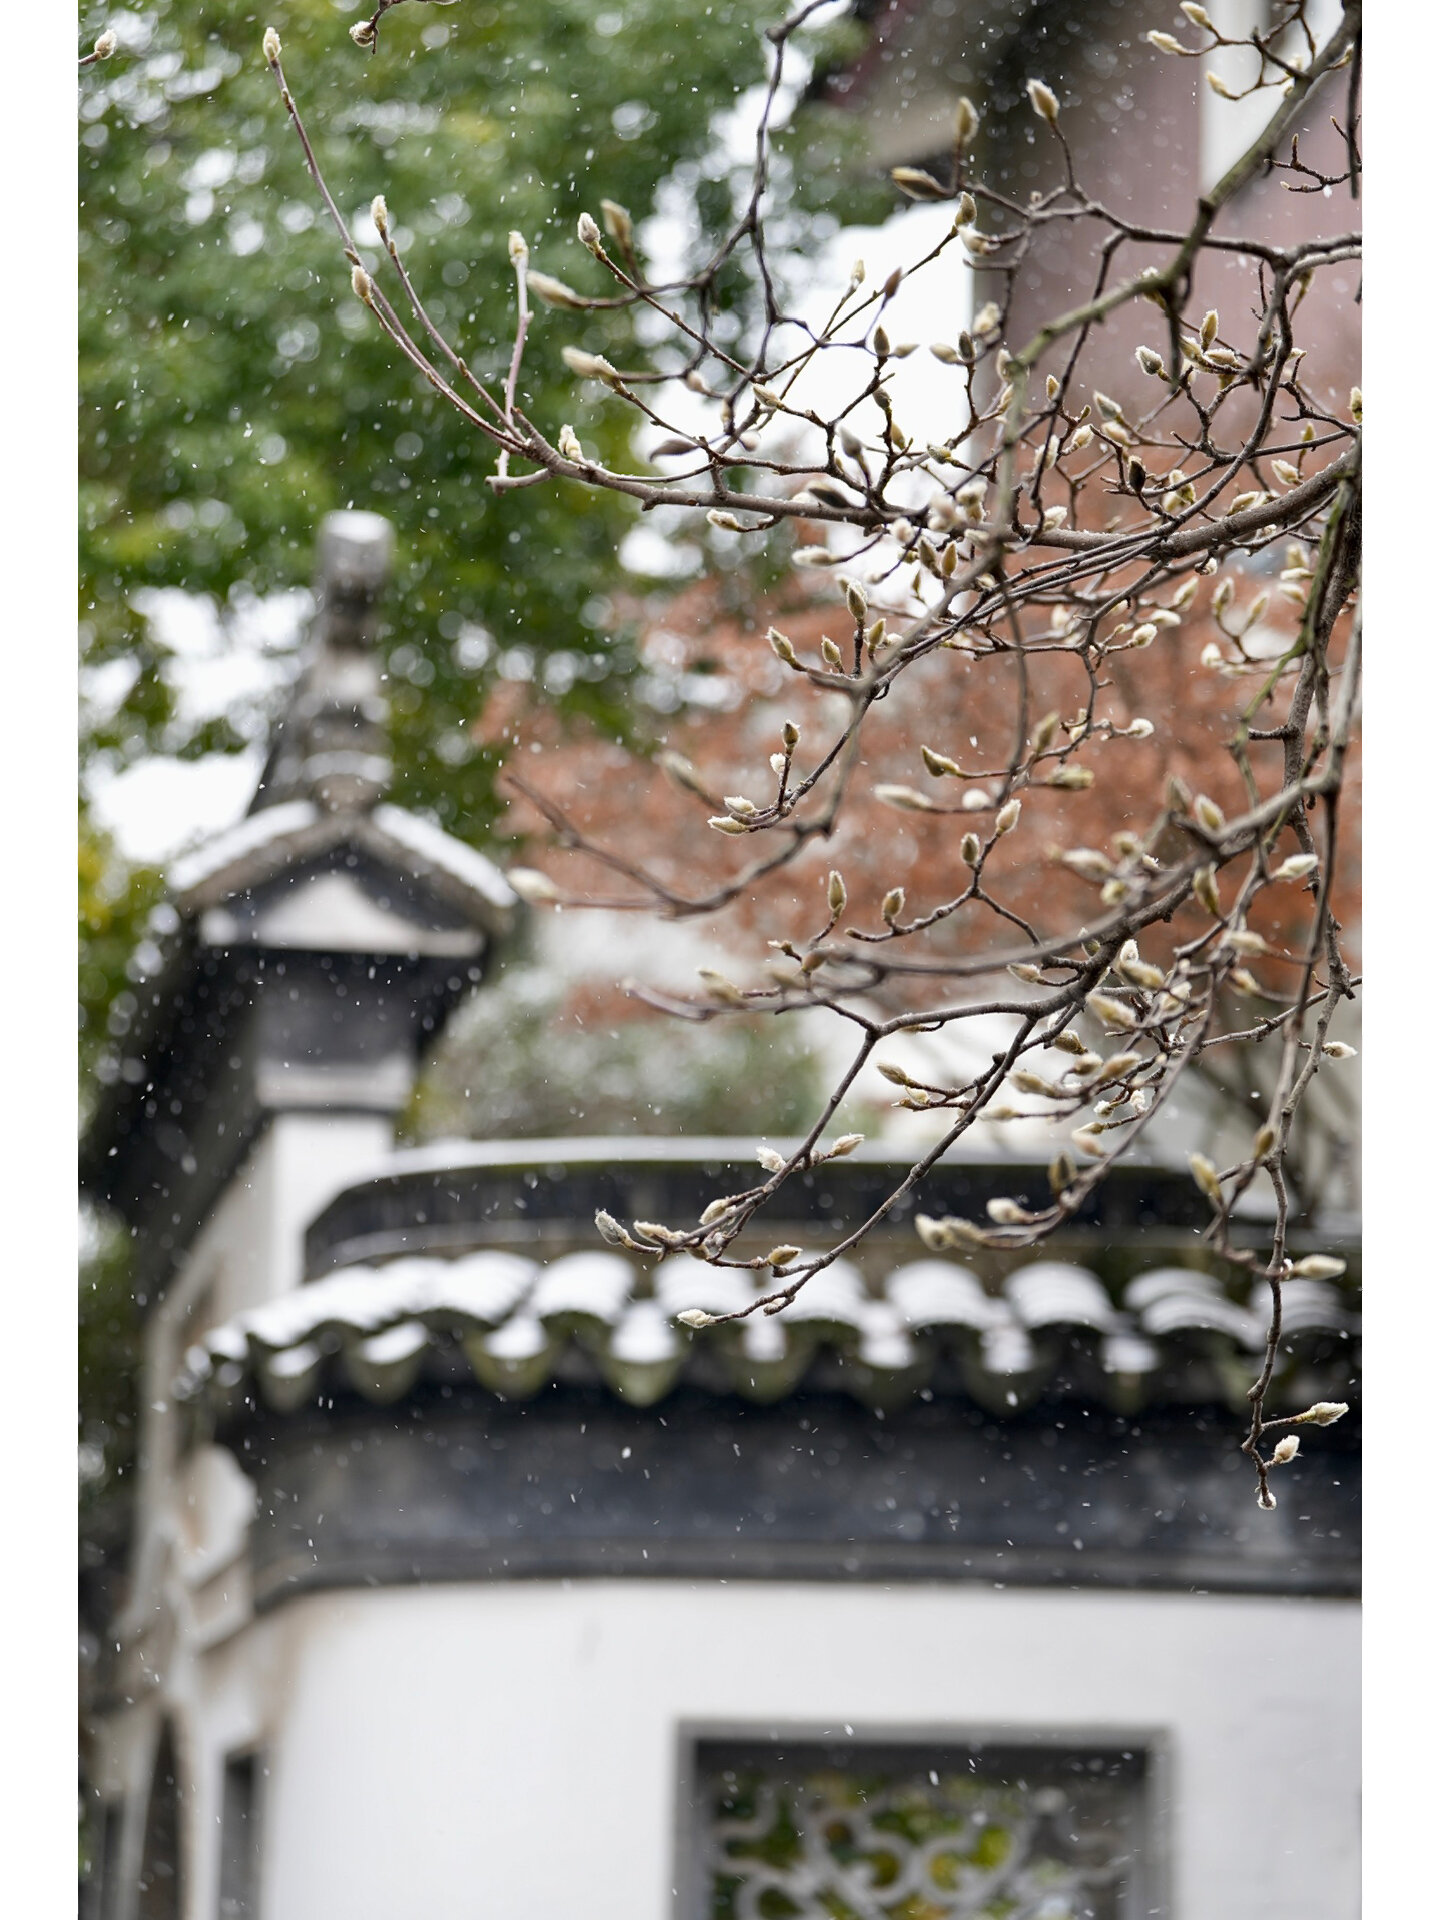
x=232 y=391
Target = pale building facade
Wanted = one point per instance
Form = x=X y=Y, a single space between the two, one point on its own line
x=466 y=1582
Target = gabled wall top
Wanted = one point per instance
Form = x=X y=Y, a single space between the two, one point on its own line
x=319 y=944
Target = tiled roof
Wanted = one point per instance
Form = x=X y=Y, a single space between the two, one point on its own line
x=514 y=1324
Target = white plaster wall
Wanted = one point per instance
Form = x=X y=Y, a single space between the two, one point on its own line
x=505 y=1749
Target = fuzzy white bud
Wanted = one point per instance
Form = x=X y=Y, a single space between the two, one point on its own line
x=533 y=885
x=1324 y=1413
x=106 y=44
x=906 y=798
x=1044 y=102
x=1317 y=1266
x=270 y=44
x=696 y=1317
x=589 y=233
x=589 y=366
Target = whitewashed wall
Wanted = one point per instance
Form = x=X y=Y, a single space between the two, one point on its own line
x=469 y=1751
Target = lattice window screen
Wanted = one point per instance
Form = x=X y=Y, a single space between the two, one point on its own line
x=899 y=1833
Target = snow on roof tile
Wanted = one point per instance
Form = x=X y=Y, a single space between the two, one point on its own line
x=511 y=1317
x=935 y=1293
x=1051 y=1293
x=446 y=854
x=836 y=1293
x=596 y=1285
x=1160 y=1281
x=644 y=1335
x=247 y=836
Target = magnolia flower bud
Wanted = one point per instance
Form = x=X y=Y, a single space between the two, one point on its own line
x=1244 y=941
x=772 y=1161
x=1117 y=1066
x=1026 y=1082
x=533 y=885
x=106 y=44
x=363 y=285
x=835 y=892
x=589 y=366
x=589 y=233
x=1150 y=361
x=847 y=1143
x=1006 y=1213
x=781 y=1256
x=726 y=823
x=830 y=652
x=555 y=293
x=1008 y=818
x=938 y=763
x=1043 y=101
x=906 y=798
x=1112 y=1012
x=1208 y=814
x=1337 y=1050
x=782 y=648
x=1324 y=1413
x=967 y=122
x=1165 y=42
x=1296 y=867
x=270 y=45
x=1317 y=1266
x=970 y=849
x=1285 y=1451
x=1205 y=890
x=893 y=905
x=696 y=1317
x=618 y=223
x=1207 y=1177
x=719 y=988
x=363 y=33
x=916 y=184
x=569 y=444
x=1135 y=971
x=610 y=1228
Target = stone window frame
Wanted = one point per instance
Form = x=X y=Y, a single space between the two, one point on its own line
x=1148 y=1895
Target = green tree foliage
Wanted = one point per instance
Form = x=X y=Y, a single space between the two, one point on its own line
x=233 y=390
